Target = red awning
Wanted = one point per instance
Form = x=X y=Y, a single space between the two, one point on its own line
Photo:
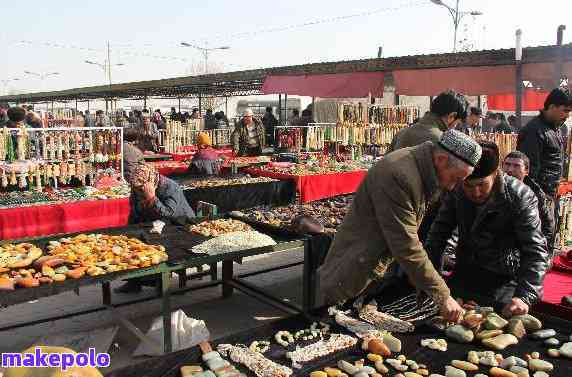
x=340 y=85
x=532 y=100
x=466 y=80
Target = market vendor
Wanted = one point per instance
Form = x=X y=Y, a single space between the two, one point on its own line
x=517 y=165
x=381 y=225
x=501 y=257
x=447 y=111
x=206 y=161
x=148 y=134
x=248 y=139
x=154 y=197
x=132 y=155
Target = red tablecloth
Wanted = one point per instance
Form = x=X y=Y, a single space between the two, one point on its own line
x=168 y=168
x=321 y=186
x=556 y=285
x=49 y=219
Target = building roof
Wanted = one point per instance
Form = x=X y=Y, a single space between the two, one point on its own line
x=250 y=82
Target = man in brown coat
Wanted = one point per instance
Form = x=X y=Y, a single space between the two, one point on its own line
x=382 y=223
x=448 y=109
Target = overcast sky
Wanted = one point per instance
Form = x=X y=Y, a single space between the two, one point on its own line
x=58 y=36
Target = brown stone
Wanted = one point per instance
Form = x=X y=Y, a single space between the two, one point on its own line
x=500 y=342
x=498 y=372
x=488 y=334
x=516 y=328
x=464 y=365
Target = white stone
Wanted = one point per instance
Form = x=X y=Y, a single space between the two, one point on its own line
x=454 y=372
x=566 y=350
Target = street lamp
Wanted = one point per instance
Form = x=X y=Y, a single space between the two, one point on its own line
x=457 y=16
x=205 y=51
x=106 y=67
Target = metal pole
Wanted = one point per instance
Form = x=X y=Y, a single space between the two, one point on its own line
x=285 y=107
x=200 y=104
x=206 y=61
x=109 y=62
x=145 y=102
x=558 y=70
x=88 y=104
x=226 y=105
x=179 y=104
x=518 y=79
x=456 y=22
x=280 y=109
x=76 y=106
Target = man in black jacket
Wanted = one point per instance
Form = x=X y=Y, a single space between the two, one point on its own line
x=516 y=164
x=501 y=255
x=541 y=141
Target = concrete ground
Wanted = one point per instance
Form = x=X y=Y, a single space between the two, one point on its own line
x=222 y=316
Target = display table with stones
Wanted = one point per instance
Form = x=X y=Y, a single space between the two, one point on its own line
x=375 y=353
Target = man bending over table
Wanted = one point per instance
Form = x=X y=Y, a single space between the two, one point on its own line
x=501 y=255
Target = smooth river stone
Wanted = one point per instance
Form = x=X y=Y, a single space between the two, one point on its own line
x=489 y=361
x=516 y=328
x=412 y=374
x=500 y=342
x=530 y=323
x=473 y=357
x=488 y=334
x=543 y=334
x=481 y=375
x=464 y=365
x=499 y=372
x=540 y=365
x=459 y=334
x=392 y=343
x=512 y=361
x=552 y=342
x=495 y=322
x=566 y=350
x=436 y=375
x=454 y=372
x=520 y=371
x=540 y=374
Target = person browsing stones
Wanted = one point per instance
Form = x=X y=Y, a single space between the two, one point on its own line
x=381 y=225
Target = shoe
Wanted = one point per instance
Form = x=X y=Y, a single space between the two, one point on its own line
x=129 y=287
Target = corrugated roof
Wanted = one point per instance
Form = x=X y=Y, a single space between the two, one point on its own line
x=249 y=82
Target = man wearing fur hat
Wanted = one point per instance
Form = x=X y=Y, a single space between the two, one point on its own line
x=501 y=255
x=249 y=137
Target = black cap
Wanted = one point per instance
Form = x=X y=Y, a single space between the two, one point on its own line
x=489 y=162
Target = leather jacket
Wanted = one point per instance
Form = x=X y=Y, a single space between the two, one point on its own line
x=542 y=143
x=544 y=211
x=504 y=239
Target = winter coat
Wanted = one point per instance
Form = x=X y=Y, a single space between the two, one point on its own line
x=541 y=142
x=502 y=252
x=240 y=137
x=381 y=227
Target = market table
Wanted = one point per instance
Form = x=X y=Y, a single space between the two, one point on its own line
x=318 y=186
x=157 y=156
x=235 y=197
x=170 y=168
x=67 y=217
x=169 y=365
x=556 y=285
x=178 y=242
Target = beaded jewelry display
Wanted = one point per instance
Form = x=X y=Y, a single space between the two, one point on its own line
x=354 y=325
x=260 y=346
x=335 y=343
x=383 y=321
x=409 y=309
x=284 y=338
x=256 y=362
x=313 y=332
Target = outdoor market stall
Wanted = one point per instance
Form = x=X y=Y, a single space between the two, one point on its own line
x=337 y=350
x=317 y=181
x=137 y=252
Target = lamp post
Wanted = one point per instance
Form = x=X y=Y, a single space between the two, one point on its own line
x=205 y=51
x=518 y=78
x=457 y=16
x=106 y=66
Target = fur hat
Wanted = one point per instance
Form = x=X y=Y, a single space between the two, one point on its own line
x=489 y=162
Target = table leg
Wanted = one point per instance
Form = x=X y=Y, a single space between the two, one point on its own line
x=227 y=274
x=214 y=271
x=308 y=281
x=166 y=309
x=106 y=293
